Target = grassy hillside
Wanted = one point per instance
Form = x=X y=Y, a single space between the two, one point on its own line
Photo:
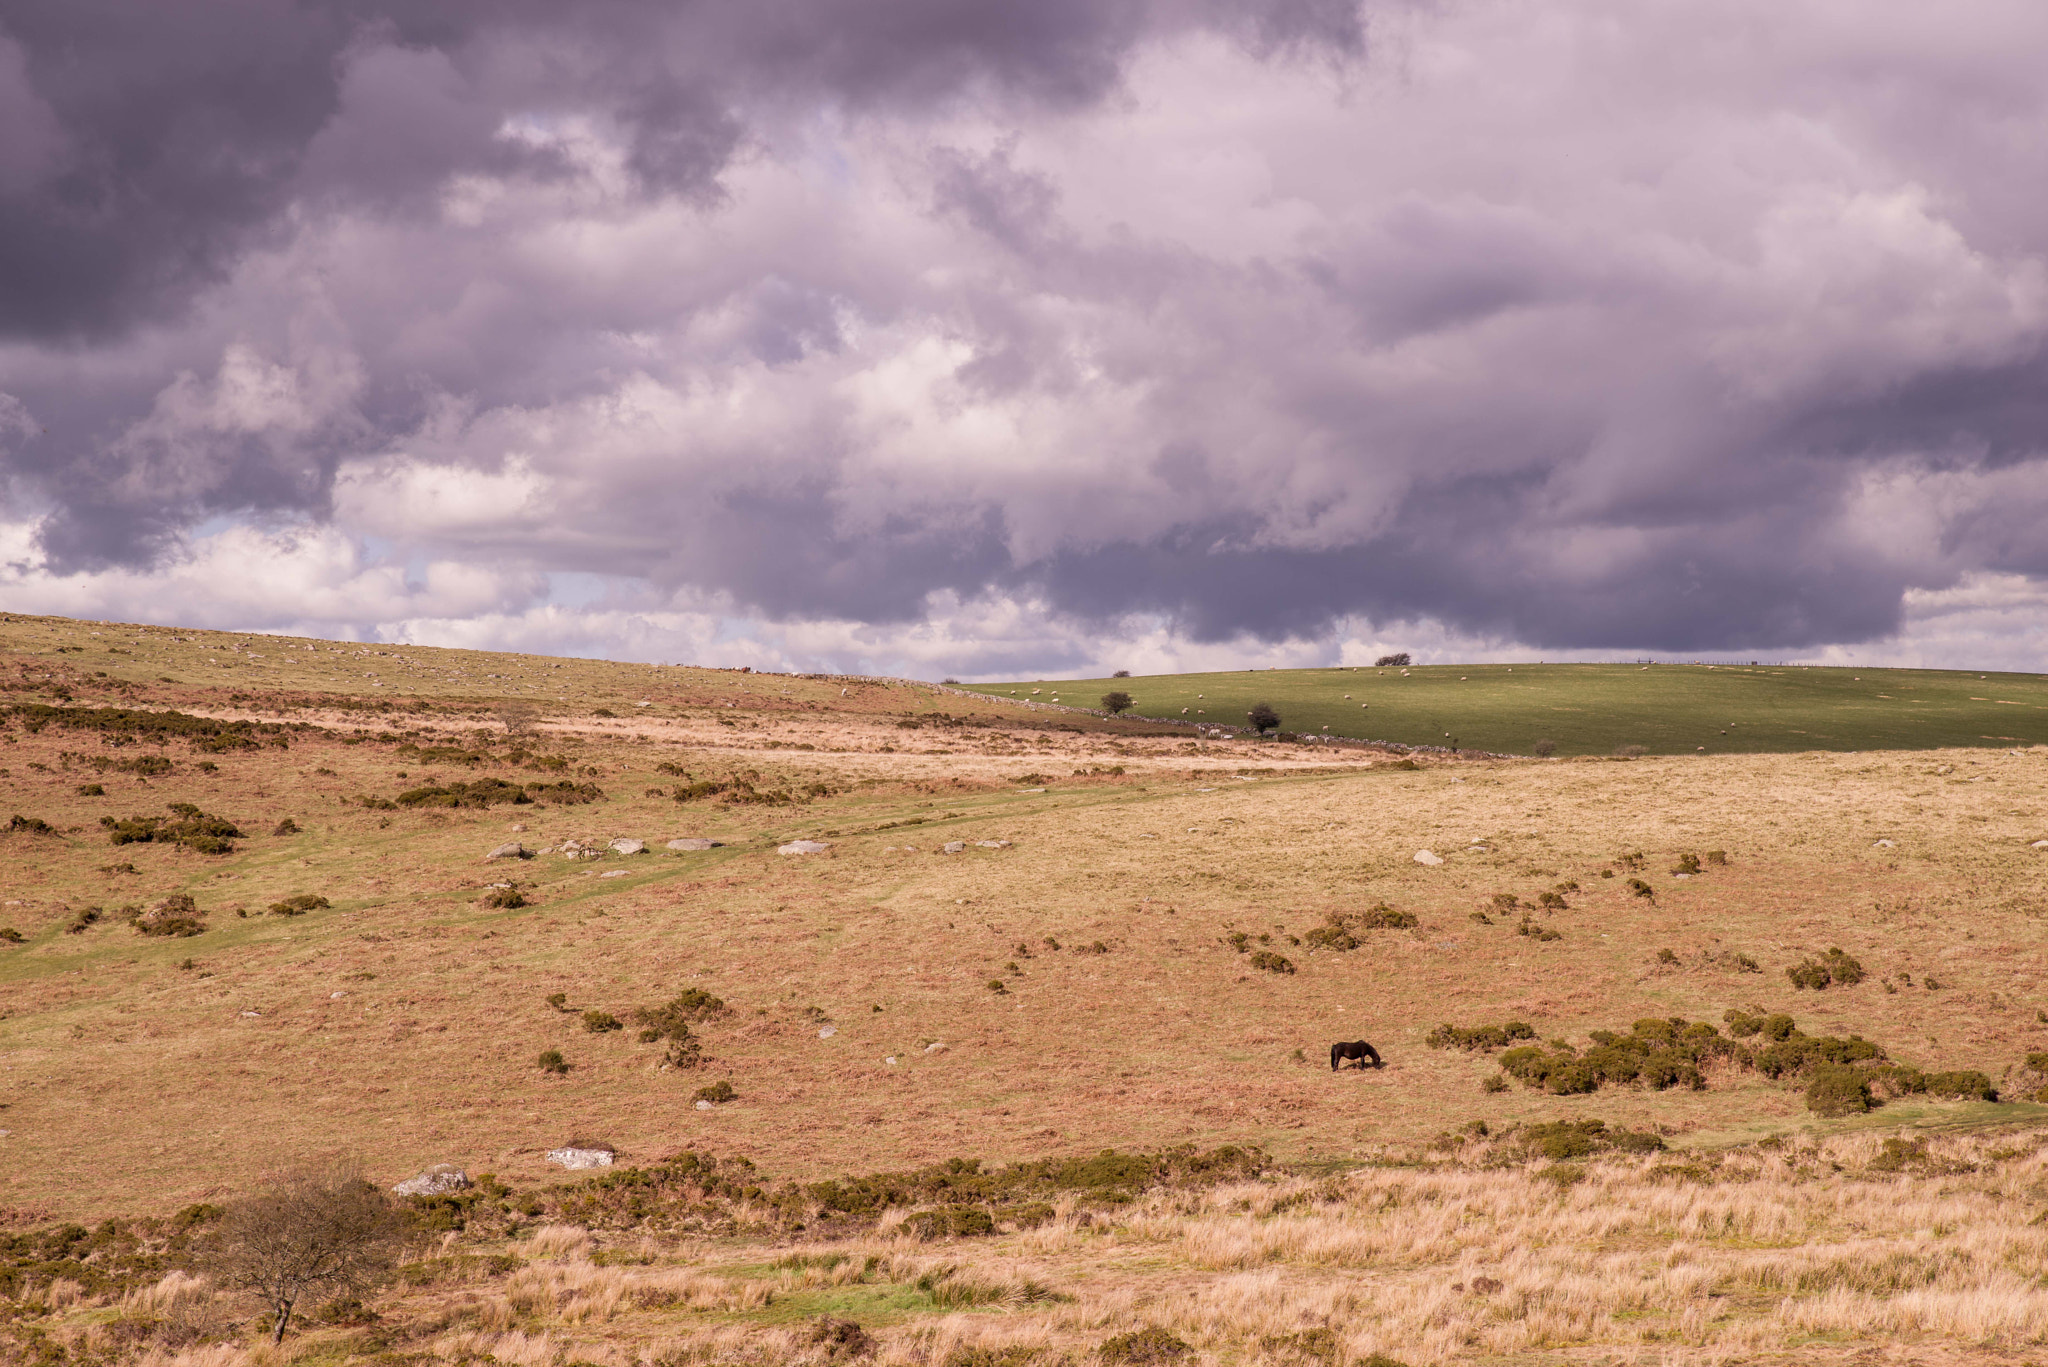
x=1595 y=709
x=1140 y=941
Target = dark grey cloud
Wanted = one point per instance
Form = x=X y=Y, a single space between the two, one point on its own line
x=1582 y=331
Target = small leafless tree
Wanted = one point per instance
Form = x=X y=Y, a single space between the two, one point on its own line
x=309 y=1233
x=517 y=715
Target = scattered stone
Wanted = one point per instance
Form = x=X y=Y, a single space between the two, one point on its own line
x=438 y=1180
x=704 y=1106
x=519 y=825
x=891 y=1060
x=1425 y=857
x=936 y=1047
x=581 y=849
x=615 y=873
x=250 y=1015
x=2039 y=845
x=803 y=847
x=336 y=996
x=1886 y=845
x=993 y=844
x=827 y=1031
x=576 y=1159
x=953 y=847
x=511 y=850
x=625 y=846
x=692 y=842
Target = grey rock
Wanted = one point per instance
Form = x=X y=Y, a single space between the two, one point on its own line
x=695 y=843
x=438 y=1180
x=1425 y=857
x=577 y=1159
x=827 y=1031
x=512 y=850
x=953 y=847
x=993 y=844
x=703 y=1105
x=625 y=846
x=803 y=847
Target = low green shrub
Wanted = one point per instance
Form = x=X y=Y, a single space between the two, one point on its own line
x=1835 y=1090
x=718 y=1093
x=177 y=916
x=505 y=899
x=551 y=1061
x=1478 y=1037
x=92 y=790
x=1745 y=1025
x=1564 y=1139
x=32 y=825
x=1642 y=889
x=1341 y=930
x=601 y=1022
x=670 y=1022
x=1687 y=864
x=299 y=905
x=186 y=826
x=1831 y=968
x=11 y=935
x=964 y=1222
x=1538 y=933
x=1655 y=1053
x=1267 y=961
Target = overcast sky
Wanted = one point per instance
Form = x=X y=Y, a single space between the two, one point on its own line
x=1024 y=337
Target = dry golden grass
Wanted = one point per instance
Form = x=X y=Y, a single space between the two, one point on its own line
x=1806 y=1252
x=401 y=1025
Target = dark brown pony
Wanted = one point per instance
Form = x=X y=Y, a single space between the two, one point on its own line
x=1356 y=1049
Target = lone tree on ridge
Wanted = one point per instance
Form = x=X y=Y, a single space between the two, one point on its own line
x=1114 y=703
x=1263 y=718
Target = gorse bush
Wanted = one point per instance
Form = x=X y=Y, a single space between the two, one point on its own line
x=670 y=1022
x=33 y=825
x=1478 y=1037
x=1565 y=1139
x=1833 y=967
x=1270 y=962
x=299 y=905
x=186 y=826
x=176 y=916
x=551 y=1061
x=601 y=1022
x=1656 y=1053
x=1341 y=929
x=504 y=899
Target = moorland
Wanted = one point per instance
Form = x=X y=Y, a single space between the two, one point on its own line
x=1688 y=1056
x=1572 y=710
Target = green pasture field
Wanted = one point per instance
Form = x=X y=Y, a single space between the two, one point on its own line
x=1590 y=709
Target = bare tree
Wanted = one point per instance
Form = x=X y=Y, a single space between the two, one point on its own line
x=518 y=715
x=310 y=1233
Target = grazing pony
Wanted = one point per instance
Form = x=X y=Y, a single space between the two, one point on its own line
x=1356 y=1049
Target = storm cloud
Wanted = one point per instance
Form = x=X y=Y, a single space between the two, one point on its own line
x=1003 y=338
